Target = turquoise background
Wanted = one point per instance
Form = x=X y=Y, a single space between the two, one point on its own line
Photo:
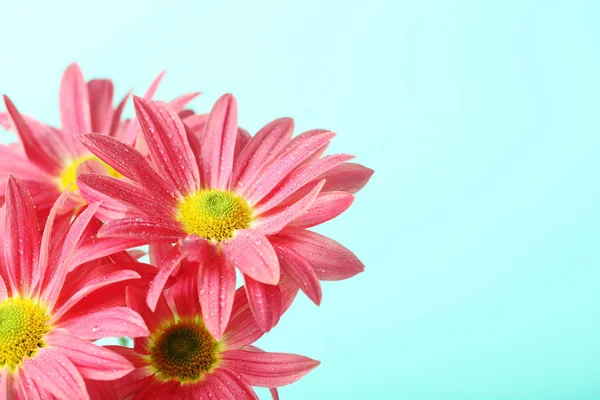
x=480 y=228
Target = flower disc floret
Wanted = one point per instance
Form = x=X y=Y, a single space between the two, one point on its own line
x=213 y=214
x=23 y=324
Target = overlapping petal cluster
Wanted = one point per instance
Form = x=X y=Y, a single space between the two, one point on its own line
x=210 y=201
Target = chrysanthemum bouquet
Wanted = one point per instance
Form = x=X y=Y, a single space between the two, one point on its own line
x=209 y=200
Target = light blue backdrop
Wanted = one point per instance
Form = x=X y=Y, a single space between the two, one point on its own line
x=480 y=229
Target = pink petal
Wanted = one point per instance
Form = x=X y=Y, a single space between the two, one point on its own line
x=5 y=121
x=242 y=329
x=74 y=105
x=136 y=300
x=299 y=178
x=149 y=229
x=219 y=143
x=110 y=322
x=56 y=374
x=273 y=172
x=132 y=127
x=300 y=271
x=101 y=98
x=238 y=387
x=120 y=198
x=166 y=266
x=196 y=124
x=243 y=137
x=62 y=265
x=268 y=369
x=179 y=103
x=260 y=149
x=36 y=147
x=348 y=177
x=92 y=280
x=25 y=388
x=115 y=122
x=131 y=164
x=167 y=140
x=289 y=291
x=22 y=239
x=265 y=303
x=276 y=220
x=96 y=248
x=330 y=260
x=182 y=296
x=92 y=361
x=251 y=253
x=215 y=291
x=326 y=206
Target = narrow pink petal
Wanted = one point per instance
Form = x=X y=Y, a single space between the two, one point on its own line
x=115 y=122
x=3 y=289
x=182 y=296
x=101 y=98
x=265 y=303
x=219 y=143
x=17 y=163
x=348 y=177
x=299 y=178
x=97 y=278
x=268 y=369
x=148 y=229
x=21 y=237
x=277 y=219
x=101 y=390
x=74 y=105
x=25 y=388
x=260 y=149
x=300 y=271
x=132 y=126
x=326 y=206
x=110 y=322
x=243 y=137
x=58 y=272
x=274 y=171
x=36 y=149
x=96 y=248
x=136 y=300
x=289 y=291
x=179 y=103
x=215 y=291
x=196 y=124
x=92 y=361
x=166 y=268
x=238 y=387
x=330 y=260
x=251 y=253
x=55 y=373
x=131 y=164
x=119 y=195
x=167 y=140
x=242 y=329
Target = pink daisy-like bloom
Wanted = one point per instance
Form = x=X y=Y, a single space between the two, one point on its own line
x=51 y=308
x=47 y=159
x=179 y=359
x=229 y=201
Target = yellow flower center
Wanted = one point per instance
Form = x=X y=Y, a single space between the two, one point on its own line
x=184 y=351
x=213 y=214
x=69 y=173
x=23 y=324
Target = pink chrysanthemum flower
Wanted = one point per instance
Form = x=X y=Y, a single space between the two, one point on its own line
x=48 y=315
x=47 y=159
x=229 y=201
x=181 y=360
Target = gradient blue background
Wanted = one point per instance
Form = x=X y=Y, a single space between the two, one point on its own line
x=480 y=228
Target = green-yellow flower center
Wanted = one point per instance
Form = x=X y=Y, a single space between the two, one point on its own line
x=183 y=351
x=213 y=214
x=23 y=324
x=69 y=173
